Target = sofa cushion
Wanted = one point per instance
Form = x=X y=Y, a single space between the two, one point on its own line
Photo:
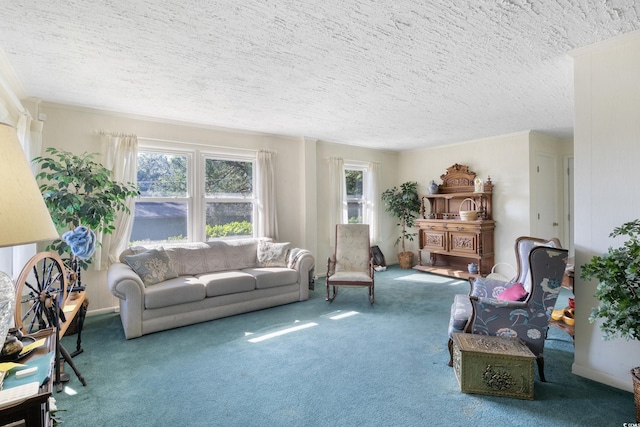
x=152 y=266
x=273 y=276
x=227 y=282
x=272 y=254
x=193 y=258
x=235 y=254
x=180 y=290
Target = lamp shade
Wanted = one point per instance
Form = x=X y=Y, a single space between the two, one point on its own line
x=24 y=218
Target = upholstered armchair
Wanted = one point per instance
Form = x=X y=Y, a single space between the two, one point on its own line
x=351 y=264
x=526 y=313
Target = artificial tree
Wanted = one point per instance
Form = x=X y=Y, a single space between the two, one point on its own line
x=403 y=203
x=80 y=194
x=618 y=290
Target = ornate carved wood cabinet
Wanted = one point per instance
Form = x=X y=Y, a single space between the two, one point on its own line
x=447 y=243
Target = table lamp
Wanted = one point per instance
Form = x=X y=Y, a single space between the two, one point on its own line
x=24 y=217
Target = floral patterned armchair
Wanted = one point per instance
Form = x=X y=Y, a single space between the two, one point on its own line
x=541 y=273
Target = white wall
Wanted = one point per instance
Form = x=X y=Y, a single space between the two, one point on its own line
x=607 y=149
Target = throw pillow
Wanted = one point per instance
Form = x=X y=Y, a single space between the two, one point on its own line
x=271 y=254
x=515 y=292
x=152 y=266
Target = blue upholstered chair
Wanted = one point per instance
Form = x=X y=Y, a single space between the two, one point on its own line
x=541 y=266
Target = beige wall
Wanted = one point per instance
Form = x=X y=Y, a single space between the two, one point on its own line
x=388 y=161
x=73 y=129
x=301 y=174
x=505 y=159
x=607 y=149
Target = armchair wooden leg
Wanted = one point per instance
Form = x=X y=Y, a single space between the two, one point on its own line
x=450 y=345
x=331 y=295
x=540 y=361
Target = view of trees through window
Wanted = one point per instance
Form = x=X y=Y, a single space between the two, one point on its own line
x=229 y=198
x=168 y=208
x=355 y=195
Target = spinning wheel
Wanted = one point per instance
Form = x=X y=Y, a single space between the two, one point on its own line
x=41 y=290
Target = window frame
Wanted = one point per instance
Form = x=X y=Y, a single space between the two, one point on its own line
x=361 y=167
x=195 y=198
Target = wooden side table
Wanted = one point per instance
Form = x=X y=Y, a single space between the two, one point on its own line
x=35 y=410
x=567 y=283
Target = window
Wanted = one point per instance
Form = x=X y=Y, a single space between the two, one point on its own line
x=354 y=184
x=193 y=196
x=229 y=198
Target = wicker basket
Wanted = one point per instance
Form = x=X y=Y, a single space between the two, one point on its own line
x=469 y=215
x=498 y=276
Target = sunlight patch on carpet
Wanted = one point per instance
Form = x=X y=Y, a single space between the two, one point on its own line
x=343 y=315
x=428 y=278
x=68 y=390
x=282 y=332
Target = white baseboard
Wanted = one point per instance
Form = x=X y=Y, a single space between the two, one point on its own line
x=103 y=311
x=592 y=374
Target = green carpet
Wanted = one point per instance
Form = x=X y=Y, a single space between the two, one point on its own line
x=384 y=365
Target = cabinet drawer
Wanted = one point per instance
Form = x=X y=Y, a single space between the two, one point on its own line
x=434 y=226
x=463 y=243
x=434 y=240
x=462 y=227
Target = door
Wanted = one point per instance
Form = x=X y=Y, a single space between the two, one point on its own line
x=546 y=221
x=568 y=217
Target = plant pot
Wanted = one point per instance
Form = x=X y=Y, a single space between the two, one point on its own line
x=635 y=374
x=405 y=259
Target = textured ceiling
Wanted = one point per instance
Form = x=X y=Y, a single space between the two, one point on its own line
x=396 y=74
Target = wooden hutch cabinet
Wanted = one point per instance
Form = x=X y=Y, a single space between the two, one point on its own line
x=447 y=242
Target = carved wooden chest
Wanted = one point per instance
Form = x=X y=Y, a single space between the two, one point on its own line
x=493 y=365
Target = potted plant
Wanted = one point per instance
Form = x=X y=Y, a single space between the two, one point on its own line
x=82 y=200
x=618 y=274
x=403 y=203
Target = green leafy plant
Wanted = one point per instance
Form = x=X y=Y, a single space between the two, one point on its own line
x=618 y=290
x=236 y=228
x=79 y=191
x=403 y=203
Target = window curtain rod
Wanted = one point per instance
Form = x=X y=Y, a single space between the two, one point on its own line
x=172 y=141
x=363 y=162
x=115 y=134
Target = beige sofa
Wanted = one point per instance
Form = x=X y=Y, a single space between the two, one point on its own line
x=168 y=287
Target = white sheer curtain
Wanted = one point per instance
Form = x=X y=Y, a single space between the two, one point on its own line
x=372 y=197
x=267 y=222
x=121 y=156
x=337 y=197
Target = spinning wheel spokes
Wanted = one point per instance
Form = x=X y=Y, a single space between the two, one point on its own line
x=40 y=291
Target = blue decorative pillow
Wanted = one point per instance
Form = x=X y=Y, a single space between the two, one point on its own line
x=152 y=266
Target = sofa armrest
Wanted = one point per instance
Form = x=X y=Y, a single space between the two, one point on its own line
x=303 y=261
x=123 y=281
x=125 y=284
